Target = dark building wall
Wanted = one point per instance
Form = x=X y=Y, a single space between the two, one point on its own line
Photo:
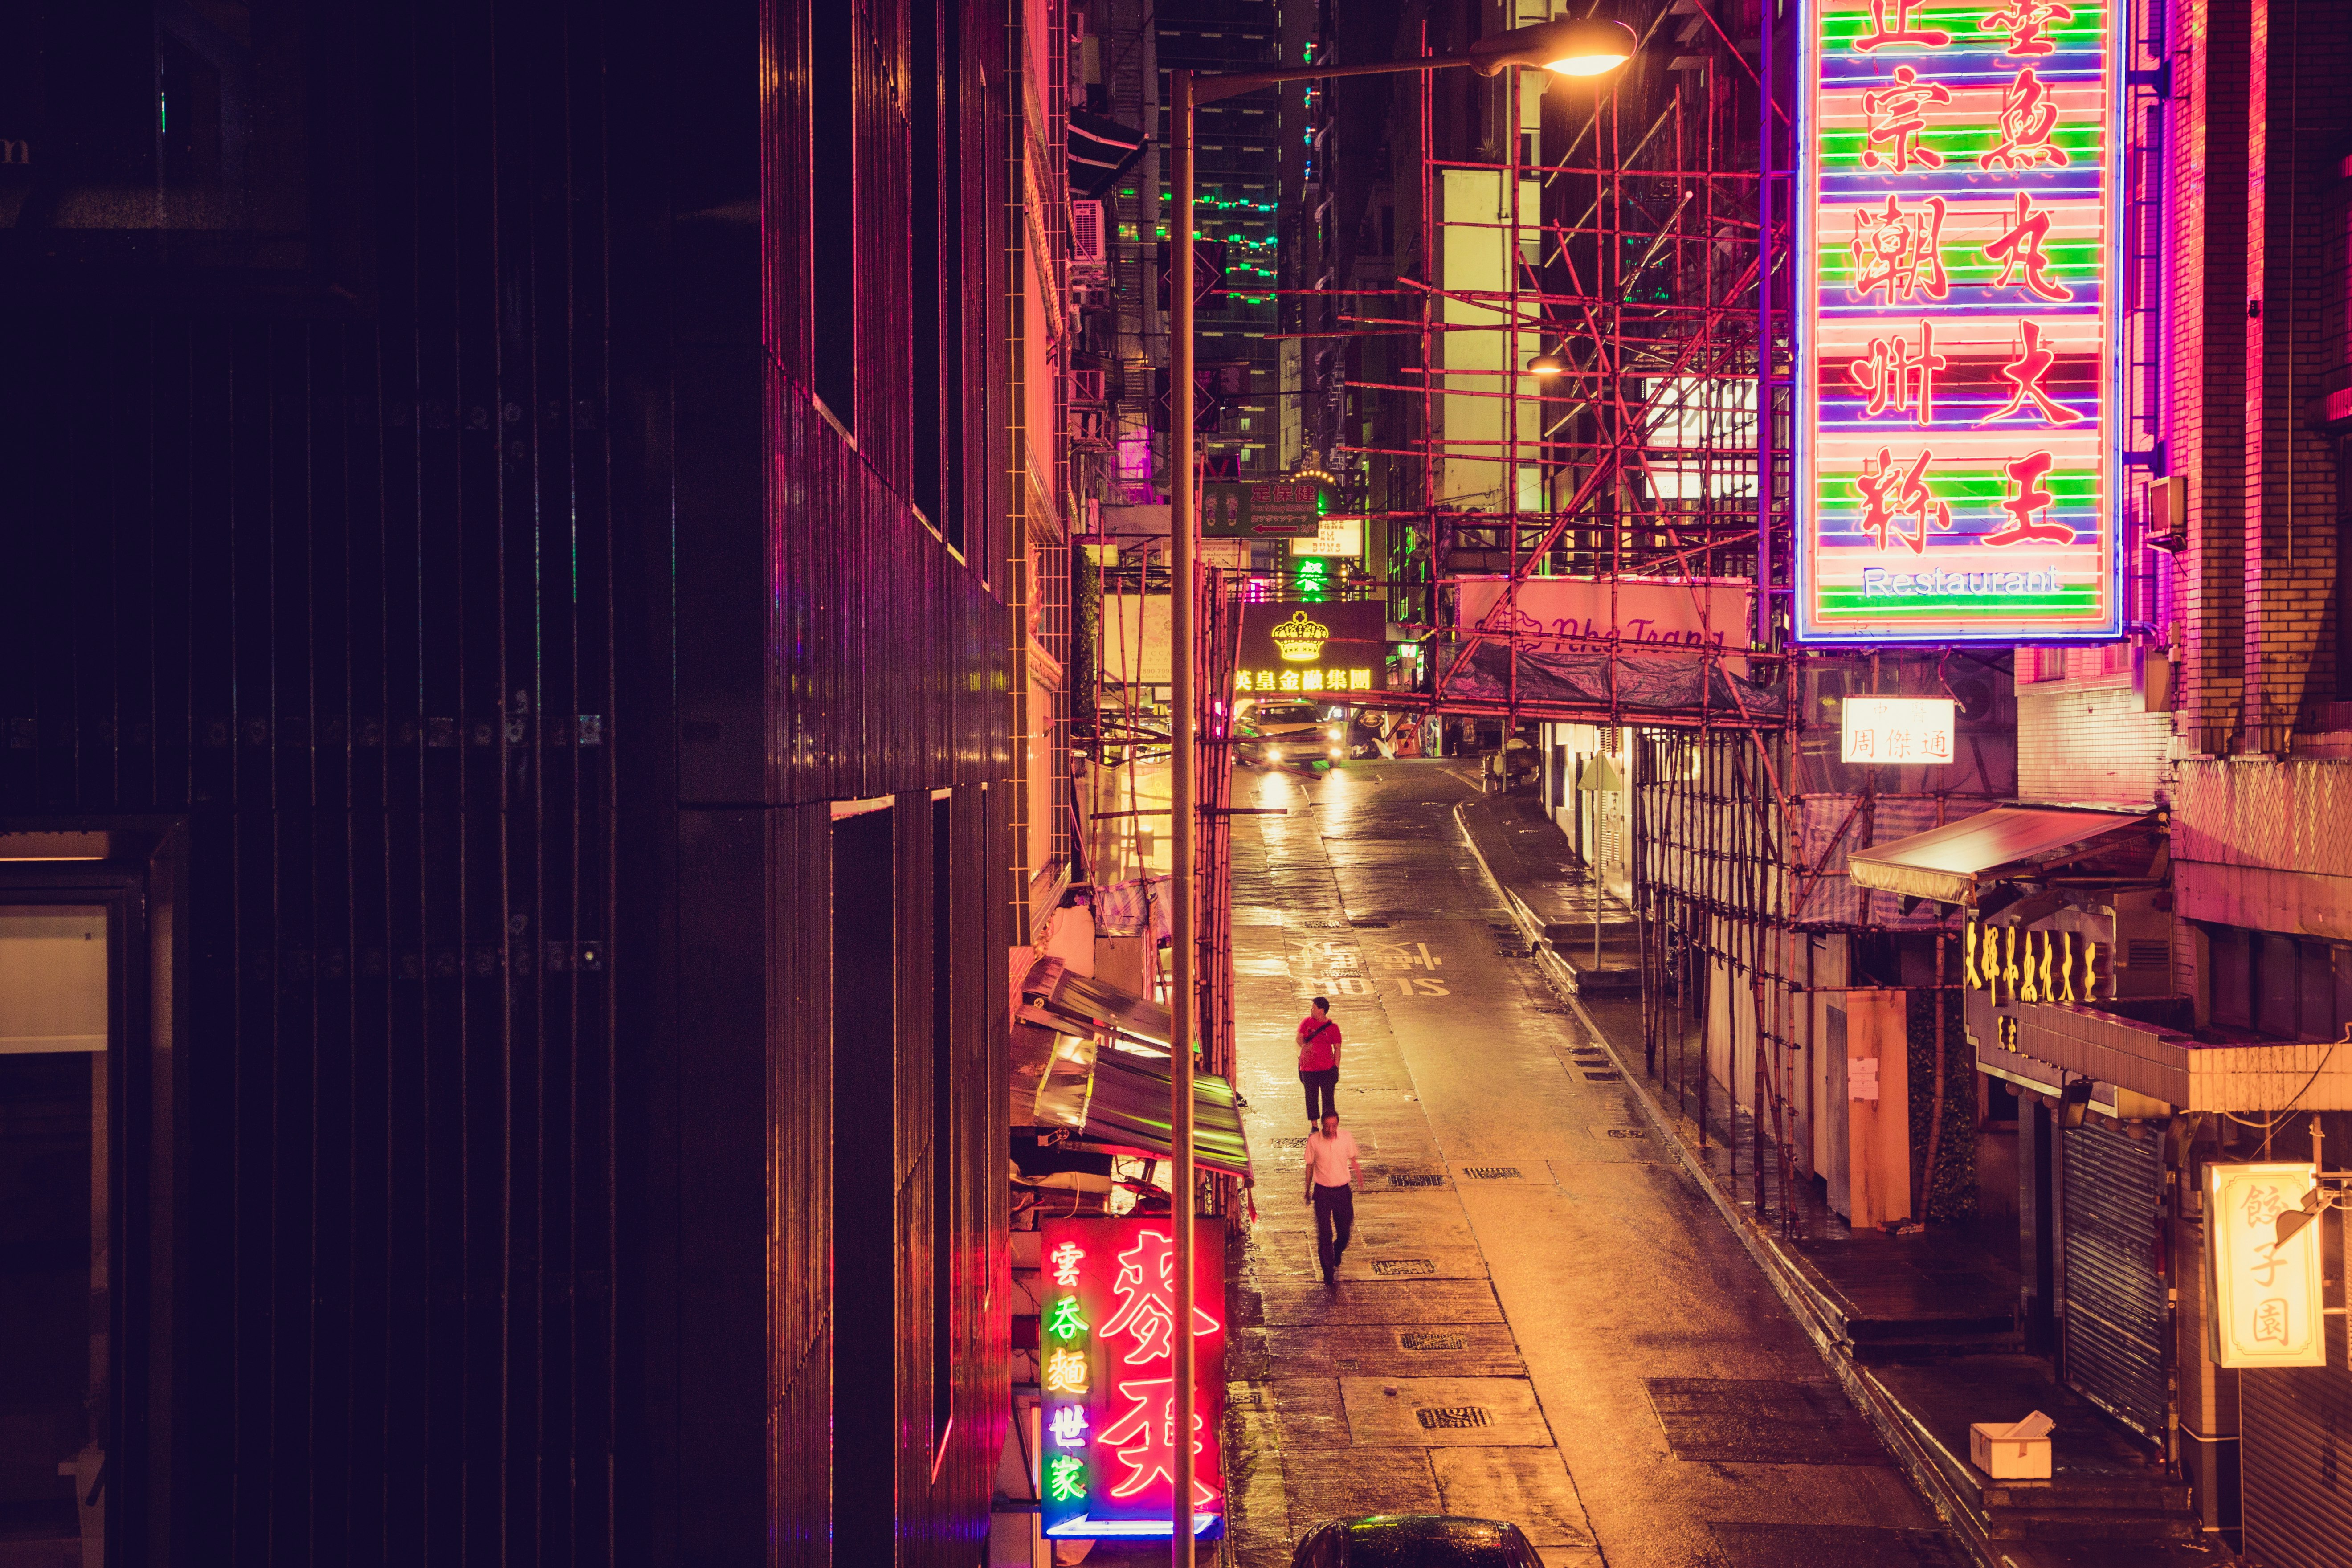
x=497 y=615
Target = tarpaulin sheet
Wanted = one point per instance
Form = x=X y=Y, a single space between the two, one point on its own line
x=1602 y=680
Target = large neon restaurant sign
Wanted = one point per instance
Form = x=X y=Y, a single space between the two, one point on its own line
x=1960 y=405
x=1106 y=1370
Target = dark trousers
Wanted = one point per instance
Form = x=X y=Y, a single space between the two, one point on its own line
x=1324 y=1080
x=1335 y=1219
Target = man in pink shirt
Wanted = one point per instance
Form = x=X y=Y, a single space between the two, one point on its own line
x=1318 y=1061
x=1333 y=1162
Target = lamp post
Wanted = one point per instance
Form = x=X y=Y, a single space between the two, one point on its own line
x=1582 y=48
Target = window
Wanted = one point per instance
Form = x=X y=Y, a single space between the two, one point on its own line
x=936 y=65
x=54 y=1222
x=833 y=75
x=864 y=1238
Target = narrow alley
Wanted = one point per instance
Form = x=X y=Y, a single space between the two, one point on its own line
x=1542 y=1319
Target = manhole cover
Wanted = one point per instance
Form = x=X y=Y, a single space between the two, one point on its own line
x=1416 y=1179
x=1605 y=1077
x=1587 y=1054
x=1452 y=1417
x=1404 y=1266
x=1629 y=1131
x=1423 y=1339
x=1491 y=1173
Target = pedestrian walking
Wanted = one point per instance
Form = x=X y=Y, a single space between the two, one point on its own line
x=1333 y=1167
x=1318 y=1062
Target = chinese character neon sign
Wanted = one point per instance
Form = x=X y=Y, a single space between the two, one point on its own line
x=1106 y=1342
x=1959 y=402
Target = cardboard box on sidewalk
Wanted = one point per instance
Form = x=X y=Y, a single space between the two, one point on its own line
x=2007 y=1452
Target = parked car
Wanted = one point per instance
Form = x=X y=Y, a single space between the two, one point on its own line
x=1415 y=1541
x=1273 y=735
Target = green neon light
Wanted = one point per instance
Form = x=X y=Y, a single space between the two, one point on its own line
x=1062 y=1320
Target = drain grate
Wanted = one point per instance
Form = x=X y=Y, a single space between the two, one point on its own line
x=1393 y=1266
x=1605 y=1077
x=1290 y=1142
x=1491 y=1173
x=1416 y=1179
x=1453 y=1417
x=1423 y=1339
x=1633 y=1133
x=1503 y=926
x=1550 y=1012
x=1369 y=925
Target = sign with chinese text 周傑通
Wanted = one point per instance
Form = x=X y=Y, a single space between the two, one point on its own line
x=1958 y=393
x=2266 y=1298
x=1903 y=731
x=1105 y=1361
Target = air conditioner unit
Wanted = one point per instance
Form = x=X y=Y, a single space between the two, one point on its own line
x=1089 y=247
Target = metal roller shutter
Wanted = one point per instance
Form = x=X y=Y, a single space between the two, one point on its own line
x=2115 y=1297
x=2297 y=1423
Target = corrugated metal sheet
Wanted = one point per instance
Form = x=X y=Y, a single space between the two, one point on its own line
x=2116 y=1307
x=2286 y=815
x=2297 y=1471
x=1944 y=863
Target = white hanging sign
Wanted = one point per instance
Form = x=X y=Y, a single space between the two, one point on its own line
x=2266 y=1298
x=1902 y=731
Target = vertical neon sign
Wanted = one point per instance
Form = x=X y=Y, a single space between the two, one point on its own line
x=1106 y=1352
x=1960 y=405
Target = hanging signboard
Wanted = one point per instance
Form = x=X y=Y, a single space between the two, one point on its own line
x=2266 y=1298
x=1959 y=396
x=1106 y=1352
x=1898 y=731
x=1290 y=645
x=1693 y=612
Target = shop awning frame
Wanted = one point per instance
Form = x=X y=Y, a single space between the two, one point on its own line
x=1950 y=864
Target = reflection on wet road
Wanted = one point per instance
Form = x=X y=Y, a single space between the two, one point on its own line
x=1541 y=1319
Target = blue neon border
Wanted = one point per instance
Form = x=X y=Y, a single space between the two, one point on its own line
x=1800 y=519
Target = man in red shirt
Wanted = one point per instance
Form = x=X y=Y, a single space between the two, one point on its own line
x=1318 y=1061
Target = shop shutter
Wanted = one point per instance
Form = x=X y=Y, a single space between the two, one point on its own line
x=2115 y=1297
x=2297 y=1427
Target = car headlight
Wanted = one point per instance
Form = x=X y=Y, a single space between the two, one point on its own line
x=1274 y=754
x=1333 y=731
x=1336 y=750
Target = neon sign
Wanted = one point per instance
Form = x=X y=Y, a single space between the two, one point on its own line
x=2266 y=1296
x=1959 y=400
x=1107 y=1333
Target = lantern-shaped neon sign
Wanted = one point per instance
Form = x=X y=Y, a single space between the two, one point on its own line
x=1960 y=405
x=1106 y=1352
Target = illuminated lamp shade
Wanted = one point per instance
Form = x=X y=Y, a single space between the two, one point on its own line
x=1547 y=364
x=1586 y=45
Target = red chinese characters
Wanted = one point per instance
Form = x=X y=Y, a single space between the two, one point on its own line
x=1145 y=1289
x=1897 y=376
x=1144 y=1438
x=2026 y=119
x=2025 y=374
x=2026 y=503
x=1881 y=35
x=2021 y=246
x=1891 y=493
x=1897 y=114
x=1900 y=251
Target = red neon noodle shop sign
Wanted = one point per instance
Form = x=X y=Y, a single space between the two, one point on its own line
x=1958 y=402
x=1107 y=1375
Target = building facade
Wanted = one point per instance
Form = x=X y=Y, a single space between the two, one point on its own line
x=535 y=576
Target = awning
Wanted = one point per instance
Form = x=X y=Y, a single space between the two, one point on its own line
x=1075 y=1004
x=1100 y=151
x=1949 y=863
x=1120 y=1097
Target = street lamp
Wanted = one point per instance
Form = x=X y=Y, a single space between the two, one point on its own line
x=1548 y=364
x=1586 y=47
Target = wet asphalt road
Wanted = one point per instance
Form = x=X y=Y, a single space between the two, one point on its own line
x=1541 y=1319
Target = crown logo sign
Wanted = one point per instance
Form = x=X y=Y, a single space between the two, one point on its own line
x=1300 y=639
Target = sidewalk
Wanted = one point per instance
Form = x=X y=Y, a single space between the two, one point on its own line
x=1919 y=1330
